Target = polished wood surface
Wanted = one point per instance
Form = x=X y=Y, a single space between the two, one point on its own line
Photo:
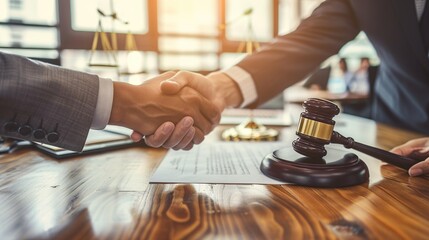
x=107 y=196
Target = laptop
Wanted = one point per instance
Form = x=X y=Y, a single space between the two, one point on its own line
x=271 y=113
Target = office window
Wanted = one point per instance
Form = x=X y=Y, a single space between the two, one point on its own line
x=84 y=15
x=291 y=12
x=29 y=28
x=188 y=44
x=260 y=18
x=359 y=47
x=42 y=12
x=307 y=7
x=184 y=34
x=238 y=15
x=191 y=62
x=79 y=21
x=33 y=53
x=195 y=17
x=187 y=34
x=230 y=59
x=28 y=36
x=288 y=16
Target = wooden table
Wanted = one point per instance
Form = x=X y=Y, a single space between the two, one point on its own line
x=107 y=196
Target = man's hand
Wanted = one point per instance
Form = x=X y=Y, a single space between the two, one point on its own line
x=144 y=107
x=184 y=136
x=417 y=148
x=217 y=87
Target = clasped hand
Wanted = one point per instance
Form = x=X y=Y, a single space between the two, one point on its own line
x=186 y=114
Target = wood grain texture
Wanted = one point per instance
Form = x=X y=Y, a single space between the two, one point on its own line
x=107 y=196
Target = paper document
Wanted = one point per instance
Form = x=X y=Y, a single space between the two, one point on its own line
x=219 y=162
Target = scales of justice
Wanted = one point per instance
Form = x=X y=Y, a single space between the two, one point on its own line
x=109 y=46
x=249 y=130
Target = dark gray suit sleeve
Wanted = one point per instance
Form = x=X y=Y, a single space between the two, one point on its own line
x=45 y=103
x=290 y=58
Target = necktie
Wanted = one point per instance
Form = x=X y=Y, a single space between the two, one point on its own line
x=424 y=26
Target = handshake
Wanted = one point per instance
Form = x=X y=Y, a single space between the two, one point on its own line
x=174 y=110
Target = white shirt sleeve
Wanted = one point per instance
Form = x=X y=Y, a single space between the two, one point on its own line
x=104 y=104
x=245 y=82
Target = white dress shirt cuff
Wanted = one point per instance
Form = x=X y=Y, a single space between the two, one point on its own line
x=245 y=82
x=104 y=104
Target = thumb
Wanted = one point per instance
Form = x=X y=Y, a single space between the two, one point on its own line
x=170 y=87
x=193 y=80
x=136 y=136
x=402 y=150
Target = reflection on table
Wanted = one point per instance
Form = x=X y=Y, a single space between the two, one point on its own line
x=108 y=196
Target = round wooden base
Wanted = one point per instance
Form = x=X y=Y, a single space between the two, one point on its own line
x=337 y=169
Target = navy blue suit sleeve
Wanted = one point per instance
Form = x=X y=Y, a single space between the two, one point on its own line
x=290 y=58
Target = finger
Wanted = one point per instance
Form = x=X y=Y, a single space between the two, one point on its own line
x=206 y=115
x=210 y=111
x=419 y=153
x=199 y=136
x=205 y=125
x=160 y=136
x=136 y=136
x=194 y=80
x=188 y=147
x=415 y=143
x=186 y=140
x=402 y=150
x=170 y=87
x=180 y=131
x=419 y=168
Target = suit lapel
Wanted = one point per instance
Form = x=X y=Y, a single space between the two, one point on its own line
x=407 y=17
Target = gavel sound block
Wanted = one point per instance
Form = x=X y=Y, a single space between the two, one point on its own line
x=309 y=163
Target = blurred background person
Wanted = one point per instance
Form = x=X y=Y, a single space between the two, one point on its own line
x=359 y=82
x=362 y=83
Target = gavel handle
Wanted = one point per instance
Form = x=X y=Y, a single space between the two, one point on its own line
x=394 y=159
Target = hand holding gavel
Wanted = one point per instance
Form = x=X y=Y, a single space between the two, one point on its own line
x=315 y=129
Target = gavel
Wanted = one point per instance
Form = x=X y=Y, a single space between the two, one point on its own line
x=316 y=129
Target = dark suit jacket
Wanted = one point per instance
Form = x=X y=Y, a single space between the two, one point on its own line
x=45 y=103
x=402 y=86
x=372 y=77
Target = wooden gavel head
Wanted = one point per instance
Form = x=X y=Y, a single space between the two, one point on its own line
x=338 y=169
x=315 y=127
